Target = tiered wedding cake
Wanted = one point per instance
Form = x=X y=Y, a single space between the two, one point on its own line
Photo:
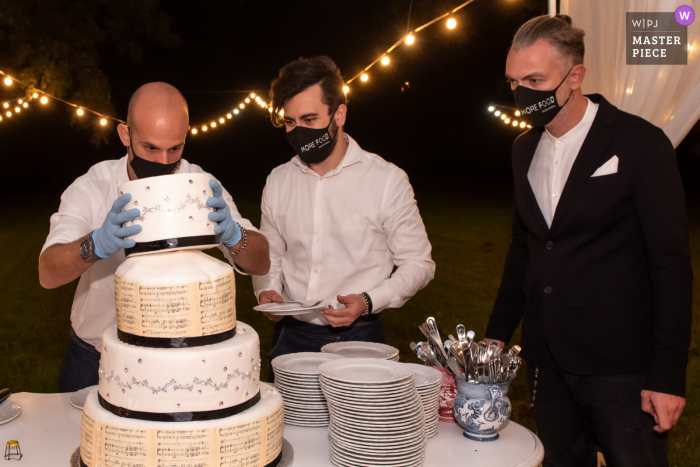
x=179 y=378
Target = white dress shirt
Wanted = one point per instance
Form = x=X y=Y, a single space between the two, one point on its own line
x=84 y=206
x=553 y=160
x=343 y=233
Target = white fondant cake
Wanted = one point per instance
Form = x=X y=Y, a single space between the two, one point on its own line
x=196 y=379
x=252 y=438
x=175 y=294
x=172 y=207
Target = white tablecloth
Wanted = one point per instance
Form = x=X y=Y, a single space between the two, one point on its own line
x=48 y=432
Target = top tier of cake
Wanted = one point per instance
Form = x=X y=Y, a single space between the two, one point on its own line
x=175 y=295
x=174 y=213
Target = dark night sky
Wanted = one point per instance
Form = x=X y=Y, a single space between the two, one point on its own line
x=438 y=131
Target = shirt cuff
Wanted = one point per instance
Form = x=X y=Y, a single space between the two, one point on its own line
x=381 y=297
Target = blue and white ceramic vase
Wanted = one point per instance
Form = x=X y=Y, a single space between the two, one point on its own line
x=482 y=409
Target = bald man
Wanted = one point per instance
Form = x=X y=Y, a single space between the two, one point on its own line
x=86 y=239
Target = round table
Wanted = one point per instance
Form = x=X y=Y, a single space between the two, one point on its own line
x=48 y=432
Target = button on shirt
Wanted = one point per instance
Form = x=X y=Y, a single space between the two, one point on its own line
x=553 y=160
x=343 y=233
x=84 y=206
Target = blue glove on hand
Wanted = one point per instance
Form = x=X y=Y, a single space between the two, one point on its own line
x=110 y=237
x=228 y=230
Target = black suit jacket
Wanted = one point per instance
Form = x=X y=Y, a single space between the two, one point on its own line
x=609 y=286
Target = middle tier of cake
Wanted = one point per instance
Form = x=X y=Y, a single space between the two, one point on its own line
x=208 y=378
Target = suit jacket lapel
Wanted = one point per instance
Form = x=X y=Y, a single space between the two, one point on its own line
x=525 y=156
x=587 y=161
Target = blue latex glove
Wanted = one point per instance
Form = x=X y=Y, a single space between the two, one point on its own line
x=228 y=230
x=110 y=237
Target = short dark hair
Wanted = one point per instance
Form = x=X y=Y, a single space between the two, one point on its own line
x=299 y=75
x=557 y=30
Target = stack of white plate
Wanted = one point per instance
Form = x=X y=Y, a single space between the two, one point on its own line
x=296 y=378
x=374 y=409
x=428 y=385
x=359 y=349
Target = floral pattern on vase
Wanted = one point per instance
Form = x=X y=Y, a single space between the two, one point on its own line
x=482 y=409
x=448 y=391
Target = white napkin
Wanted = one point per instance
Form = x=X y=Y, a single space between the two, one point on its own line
x=608 y=168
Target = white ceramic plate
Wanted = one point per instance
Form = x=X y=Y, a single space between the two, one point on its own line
x=425 y=375
x=289 y=308
x=77 y=399
x=364 y=371
x=303 y=363
x=9 y=411
x=359 y=349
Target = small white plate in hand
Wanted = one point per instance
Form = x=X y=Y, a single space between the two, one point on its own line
x=291 y=308
x=77 y=399
x=9 y=411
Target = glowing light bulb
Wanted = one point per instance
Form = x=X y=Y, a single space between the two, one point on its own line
x=204 y=128
x=282 y=113
x=213 y=124
x=492 y=108
x=503 y=116
x=44 y=99
x=385 y=60
x=451 y=23
x=410 y=39
x=103 y=122
x=517 y=113
x=6 y=104
x=497 y=113
x=221 y=120
x=81 y=112
x=8 y=81
x=236 y=111
x=25 y=105
x=529 y=126
x=242 y=106
x=515 y=123
x=228 y=115
x=0 y=118
x=522 y=124
x=247 y=101
x=346 y=89
x=20 y=101
x=507 y=120
x=9 y=114
x=17 y=110
x=252 y=94
x=35 y=95
x=364 y=77
x=194 y=131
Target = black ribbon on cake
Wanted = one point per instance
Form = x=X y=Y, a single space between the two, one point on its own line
x=274 y=463
x=172 y=243
x=174 y=342
x=179 y=416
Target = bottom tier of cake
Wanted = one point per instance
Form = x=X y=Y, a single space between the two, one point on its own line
x=251 y=438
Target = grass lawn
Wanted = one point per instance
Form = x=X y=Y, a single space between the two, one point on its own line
x=470 y=239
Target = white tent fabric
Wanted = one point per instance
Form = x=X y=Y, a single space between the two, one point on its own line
x=666 y=95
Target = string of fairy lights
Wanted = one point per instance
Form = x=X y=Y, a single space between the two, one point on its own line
x=502 y=112
x=13 y=107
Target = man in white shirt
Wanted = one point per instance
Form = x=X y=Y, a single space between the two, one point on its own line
x=338 y=219
x=86 y=239
x=598 y=268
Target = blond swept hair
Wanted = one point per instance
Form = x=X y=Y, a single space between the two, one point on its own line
x=557 y=30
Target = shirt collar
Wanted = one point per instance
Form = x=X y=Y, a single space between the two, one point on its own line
x=581 y=127
x=353 y=155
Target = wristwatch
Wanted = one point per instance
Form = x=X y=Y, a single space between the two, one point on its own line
x=87 y=249
x=368 y=299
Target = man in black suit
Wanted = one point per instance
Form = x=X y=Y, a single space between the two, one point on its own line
x=598 y=268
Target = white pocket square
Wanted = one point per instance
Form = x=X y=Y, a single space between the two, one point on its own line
x=608 y=168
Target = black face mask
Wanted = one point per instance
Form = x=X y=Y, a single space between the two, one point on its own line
x=538 y=108
x=313 y=145
x=144 y=168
